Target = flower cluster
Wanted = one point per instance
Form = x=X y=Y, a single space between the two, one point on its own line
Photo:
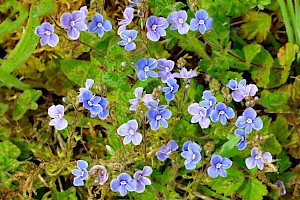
x=241 y=90
x=207 y=108
x=191 y=152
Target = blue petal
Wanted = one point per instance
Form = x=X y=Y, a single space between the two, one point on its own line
x=212 y=171
x=78 y=181
x=194 y=25
x=208 y=23
x=82 y=164
x=201 y=15
x=130 y=46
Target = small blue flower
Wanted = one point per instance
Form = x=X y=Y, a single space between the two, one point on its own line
x=201 y=21
x=218 y=167
x=165 y=67
x=185 y=74
x=171 y=89
x=128 y=36
x=129 y=131
x=165 y=151
x=281 y=185
x=81 y=173
x=191 y=152
x=145 y=67
x=234 y=85
x=258 y=159
x=209 y=101
x=46 y=32
x=99 y=24
x=222 y=113
x=103 y=113
x=91 y=102
x=128 y=16
x=199 y=115
x=138 y=96
x=123 y=183
x=100 y=174
x=141 y=179
x=156 y=27
x=57 y=112
x=74 y=22
x=241 y=90
x=159 y=116
x=88 y=85
x=242 y=142
x=249 y=120
x=178 y=20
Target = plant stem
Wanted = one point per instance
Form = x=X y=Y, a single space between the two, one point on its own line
x=289 y=30
x=145 y=141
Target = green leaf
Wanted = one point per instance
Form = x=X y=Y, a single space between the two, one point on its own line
x=286 y=56
x=25 y=102
x=280 y=128
x=272 y=145
x=229 y=148
x=229 y=184
x=9 y=150
x=276 y=101
x=284 y=162
x=254 y=190
x=69 y=194
x=261 y=74
x=3 y=109
x=257 y=26
x=251 y=51
x=296 y=91
x=11 y=81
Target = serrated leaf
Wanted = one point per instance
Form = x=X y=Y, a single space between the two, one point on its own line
x=280 y=129
x=272 y=145
x=251 y=51
x=229 y=184
x=284 y=162
x=254 y=190
x=276 y=101
x=257 y=26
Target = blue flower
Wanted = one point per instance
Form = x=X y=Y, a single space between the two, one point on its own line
x=199 y=115
x=249 y=120
x=156 y=27
x=128 y=36
x=88 y=85
x=134 y=3
x=129 y=131
x=209 y=101
x=103 y=113
x=171 y=89
x=234 y=85
x=123 y=183
x=241 y=90
x=91 y=102
x=191 y=152
x=201 y=21
x=74 y=22
x=57 y=112
x=128 y=16
x=138 y=96
x=281 y=184
x=218 y=167
x=100 y=25
x=141 y=179
x=46 y=32
x=222 y=113
x=100 y=174
x=185 y=74
x=165 y=67
x=157 y=117
x=178 y=20
x=258 y=159
x=81 y=173
x=165 y=151
x=145 y=67
x=242 y=142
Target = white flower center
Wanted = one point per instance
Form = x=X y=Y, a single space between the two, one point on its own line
x=139 y=177
x=99 y=24
x=129 y=40
x=90 y=103
x=221 y=112
x=201 y=21
x=194 y=156
x=249 y=120
x=146 y=69
x=201 y=113
x=48 y=33
x=167 y=69
x=123 y=182
x=180 y=20
x=210 y=103
x=60 y=115
x=169 y=153
x=154 y=27
x=131 y=132
x=72 y=23
x=172 y=88
x=158 y=117
x=242 y=138
x=218 y=165
x=258 y=157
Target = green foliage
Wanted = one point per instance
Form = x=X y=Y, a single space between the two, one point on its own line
x=229 y=148
x=257 y=26
x=276 y=101
x=254 y=190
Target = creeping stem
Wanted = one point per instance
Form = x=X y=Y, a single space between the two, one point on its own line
x=145 y=140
